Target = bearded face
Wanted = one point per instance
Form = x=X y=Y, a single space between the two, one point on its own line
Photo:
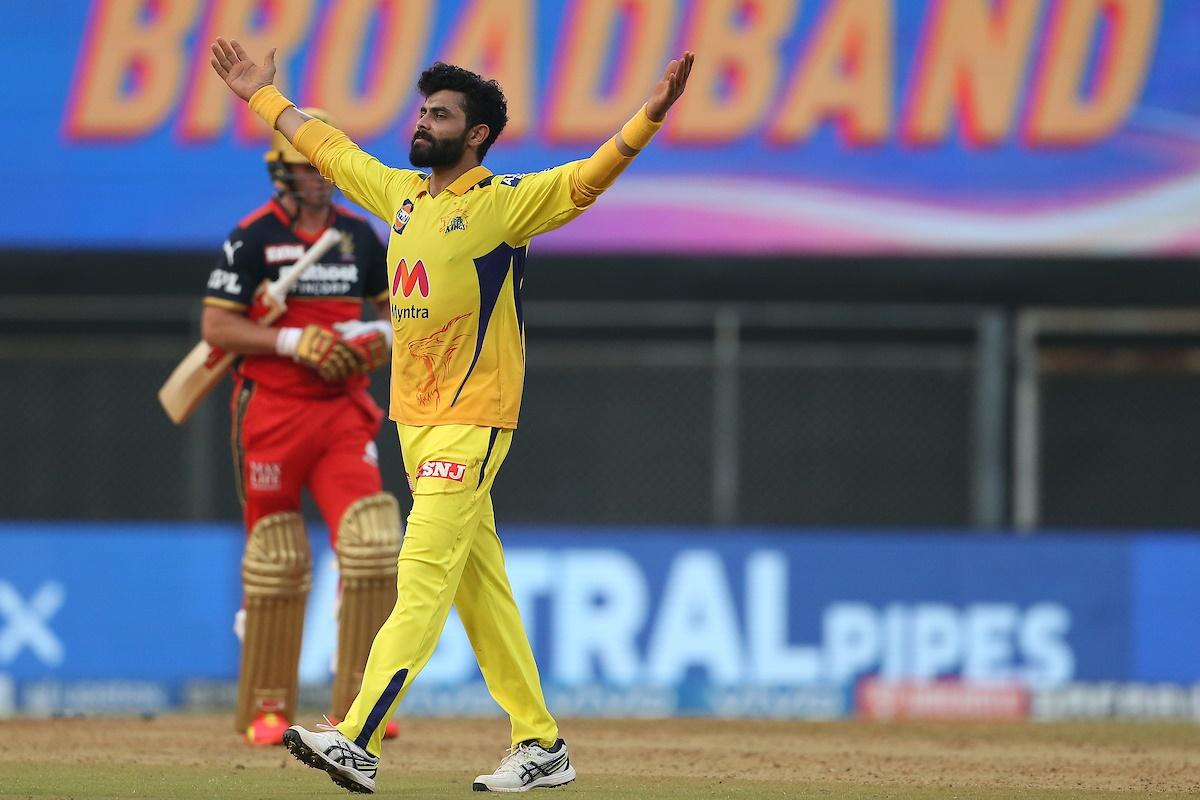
x=428 y=150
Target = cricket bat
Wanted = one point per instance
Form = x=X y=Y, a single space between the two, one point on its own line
x=203 y=368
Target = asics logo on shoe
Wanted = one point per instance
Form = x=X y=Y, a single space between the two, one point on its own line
x=534 y=770
x=348 y=758
x=529 y=766
x=347 y=765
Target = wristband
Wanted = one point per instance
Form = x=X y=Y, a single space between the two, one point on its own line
x=268 y=103
x=287 y=341
x=638 y=132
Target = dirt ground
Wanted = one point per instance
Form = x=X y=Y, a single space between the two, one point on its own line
x=1005 y=760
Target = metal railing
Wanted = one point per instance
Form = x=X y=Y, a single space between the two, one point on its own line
x=1052 y=342
x=791 y=413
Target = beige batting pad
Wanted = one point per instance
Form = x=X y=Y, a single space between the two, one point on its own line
x=368 y=545
x=276 y=575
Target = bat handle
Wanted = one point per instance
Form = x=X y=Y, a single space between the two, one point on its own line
x=272 y=308
x=273 y=298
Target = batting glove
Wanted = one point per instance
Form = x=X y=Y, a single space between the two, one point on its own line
x=326 y=353
x=370 y=341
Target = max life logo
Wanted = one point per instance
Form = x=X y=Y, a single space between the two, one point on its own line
x=406 y=280
x=442 y=469
x=265 y=476
x=402 y=216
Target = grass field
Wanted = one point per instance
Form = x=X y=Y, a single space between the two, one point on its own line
x=187 y=756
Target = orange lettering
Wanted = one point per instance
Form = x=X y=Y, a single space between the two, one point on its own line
x=736 y=69
x=973 y=56
x=209 y=100
x=847 y=71
x=494 y=39
x=139 y=41
x=1058 y=114
x=581 y=109
x=401 y=29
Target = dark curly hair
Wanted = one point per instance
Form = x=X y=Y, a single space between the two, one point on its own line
x=485 y=103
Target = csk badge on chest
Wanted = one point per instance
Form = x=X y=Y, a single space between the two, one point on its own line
x=402 y=216
x=454 y=221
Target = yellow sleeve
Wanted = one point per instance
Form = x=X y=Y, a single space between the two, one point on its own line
x=600 y=171
x=363 y=178
x=538 y=203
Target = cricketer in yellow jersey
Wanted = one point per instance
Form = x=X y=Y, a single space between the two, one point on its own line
x=456 y=258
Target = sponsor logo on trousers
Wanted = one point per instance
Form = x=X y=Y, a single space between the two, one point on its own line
x=442 y=469
x=265 y=476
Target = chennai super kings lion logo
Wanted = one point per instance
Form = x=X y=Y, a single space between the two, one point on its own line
x=435 y=352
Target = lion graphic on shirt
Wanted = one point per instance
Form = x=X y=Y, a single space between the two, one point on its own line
x=435 y=353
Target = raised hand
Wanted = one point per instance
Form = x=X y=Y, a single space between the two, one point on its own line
x=238 y=71
x=670 y=87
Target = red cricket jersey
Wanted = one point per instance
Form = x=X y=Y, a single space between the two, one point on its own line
x=330 y=291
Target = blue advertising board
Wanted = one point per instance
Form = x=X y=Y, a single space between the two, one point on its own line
x=829 y=125
x=1165 y=608
x=642 y=620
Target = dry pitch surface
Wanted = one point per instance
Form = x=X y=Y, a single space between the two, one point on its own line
x=183 y=757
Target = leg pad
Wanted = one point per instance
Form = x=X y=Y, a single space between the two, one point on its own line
x=276 y=575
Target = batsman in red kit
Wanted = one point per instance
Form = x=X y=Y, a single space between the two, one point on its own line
x=302 y=418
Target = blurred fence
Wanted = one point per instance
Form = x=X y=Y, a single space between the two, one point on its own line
x=677 y=413
x=1105 y=428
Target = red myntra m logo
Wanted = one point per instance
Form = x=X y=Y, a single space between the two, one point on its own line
x=407 y=280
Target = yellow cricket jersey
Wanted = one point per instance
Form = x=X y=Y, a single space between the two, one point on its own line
x=455 y=265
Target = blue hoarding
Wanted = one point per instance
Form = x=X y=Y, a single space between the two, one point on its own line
x=657 y=620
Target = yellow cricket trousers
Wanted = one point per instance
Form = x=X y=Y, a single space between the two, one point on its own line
x=451 y=554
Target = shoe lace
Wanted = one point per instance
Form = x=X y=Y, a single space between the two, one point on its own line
x=514 y=757
x=327 y=725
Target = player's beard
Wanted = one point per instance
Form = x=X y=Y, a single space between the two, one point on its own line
x=437 y=152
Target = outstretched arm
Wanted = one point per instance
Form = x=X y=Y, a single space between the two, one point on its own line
x=537 y=203
x=598 y=172
x=363 y=179
x=543 y=201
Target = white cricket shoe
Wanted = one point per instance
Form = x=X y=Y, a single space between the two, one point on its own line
x=529 y=766
x=348 y=765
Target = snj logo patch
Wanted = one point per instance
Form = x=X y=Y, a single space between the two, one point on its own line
x=442 y=469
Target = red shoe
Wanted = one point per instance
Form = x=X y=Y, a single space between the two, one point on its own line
x=390 y=731
x=267 y=729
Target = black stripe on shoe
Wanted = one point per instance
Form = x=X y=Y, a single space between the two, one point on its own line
x=534 y=770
